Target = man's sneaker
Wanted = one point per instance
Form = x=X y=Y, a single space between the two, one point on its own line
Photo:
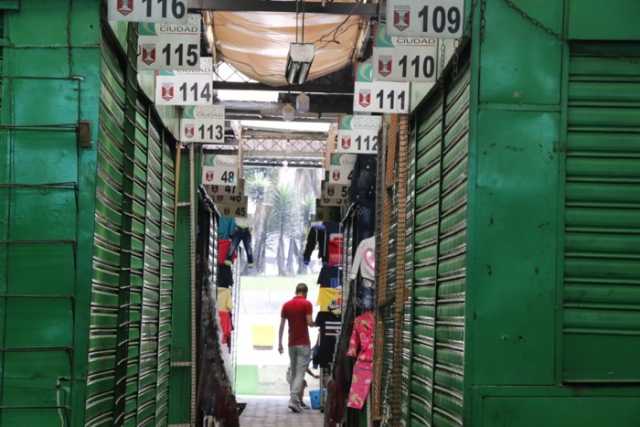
x=251 y=265
x=303 y=405
x=295 y=407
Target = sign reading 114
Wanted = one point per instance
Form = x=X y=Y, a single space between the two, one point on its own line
x=427 y=18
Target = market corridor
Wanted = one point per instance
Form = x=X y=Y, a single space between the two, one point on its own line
x=272 y=411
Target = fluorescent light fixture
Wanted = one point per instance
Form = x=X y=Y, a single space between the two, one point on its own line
x=248 y=95
x=292 y=126
x=299 y=62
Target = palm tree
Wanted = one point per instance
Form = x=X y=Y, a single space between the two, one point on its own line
x=282 y=220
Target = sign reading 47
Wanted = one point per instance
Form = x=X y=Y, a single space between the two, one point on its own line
x=148 y=10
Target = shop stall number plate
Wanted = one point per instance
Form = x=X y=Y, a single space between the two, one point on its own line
x=184 y=89
x=428 y=18
x=148 y=10
x=381 y=97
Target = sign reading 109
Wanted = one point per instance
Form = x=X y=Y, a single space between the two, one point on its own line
x=427 y=18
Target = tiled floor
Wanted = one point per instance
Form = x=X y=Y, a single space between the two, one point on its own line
x=273 y=412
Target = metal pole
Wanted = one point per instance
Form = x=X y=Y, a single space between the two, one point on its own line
x=192 y=247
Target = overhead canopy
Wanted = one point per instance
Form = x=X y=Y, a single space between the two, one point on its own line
x=257 y=43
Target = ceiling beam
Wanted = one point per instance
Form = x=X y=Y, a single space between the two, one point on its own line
x=309 y=88
x=359 y=9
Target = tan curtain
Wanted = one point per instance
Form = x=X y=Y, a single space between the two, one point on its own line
x=257 y=43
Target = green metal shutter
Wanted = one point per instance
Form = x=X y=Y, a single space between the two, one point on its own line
x=106 y=260
x=601 y=322
x=437 y=363
x=427 y=193
x=166 y=284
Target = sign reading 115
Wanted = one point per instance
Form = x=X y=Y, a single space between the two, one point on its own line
x=391 y=96
x=176 y=8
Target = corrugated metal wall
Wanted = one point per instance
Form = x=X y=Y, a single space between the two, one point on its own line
x=439 y=278
x=601 y=321
x=130 y=331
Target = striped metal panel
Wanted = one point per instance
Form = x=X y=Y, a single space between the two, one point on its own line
x=452 y=245
x=168 y=228
x=130 y=332
x=601 y=311
x=439 y=279
x=106 y=259
x=427 y=193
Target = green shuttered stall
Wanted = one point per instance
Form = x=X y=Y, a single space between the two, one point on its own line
x=525 y=308
x=88 y=227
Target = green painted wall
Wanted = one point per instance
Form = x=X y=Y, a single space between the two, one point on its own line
x=50 y=80
x=551 y=300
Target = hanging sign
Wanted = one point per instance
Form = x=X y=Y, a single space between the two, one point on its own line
x=169 y=46
x=425 y=18
x=184 y=89
x=379 y=97
x=232 y=205
x=334 y=190
x=404 y=59
x=220 y=169
x=331 y=201
x=202 y=124
x=227 y=189
x=358 y=134
x=341 y=168
x=148 y=10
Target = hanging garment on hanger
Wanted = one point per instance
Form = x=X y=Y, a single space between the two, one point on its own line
x=224 y=277
x=330 y=277
x=240 y=235
x=328 y=238
x=329 y=325
x=364 y=260
x=224 y=301
x=330 y=299
x=223 y=249
x=361 y=347
x=226 y=226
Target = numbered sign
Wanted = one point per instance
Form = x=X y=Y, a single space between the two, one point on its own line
x=202 y=124
x=341 y=168
x=169 y=46
x=220 y=170
x=148 y=10
x=232 y=205
x=184 y=89
x=333 y=191
x=331 y=201
x=359 y=142
x=429 y=18
x=381 y=97
x=405 y=64
x=226 y=189
x=358 y=134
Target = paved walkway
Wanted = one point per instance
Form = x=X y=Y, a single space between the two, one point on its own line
x=273 y=412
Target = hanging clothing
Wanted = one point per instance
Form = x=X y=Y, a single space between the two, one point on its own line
x=330 y=277
x=328 y=238
x=363 y=180
x=224 y=301
x=224 y=278
x=361 y=347
x=330 y=299
x=329 y=325
x=226 y=326
x=240 y=235
x=364 y=260
x=226 y=226
x=223 y=249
